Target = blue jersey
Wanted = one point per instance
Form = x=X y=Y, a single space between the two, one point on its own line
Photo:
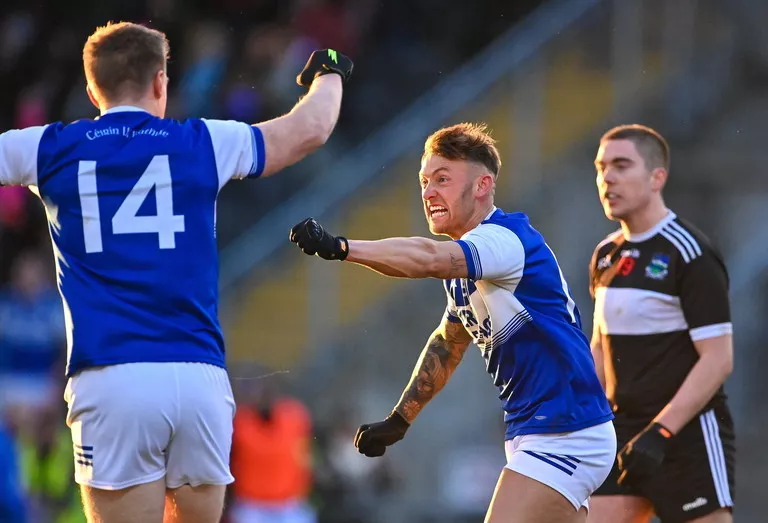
x=516 y=305
x=131 y=206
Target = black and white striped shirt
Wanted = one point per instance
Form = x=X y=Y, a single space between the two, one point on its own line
x=655 y=294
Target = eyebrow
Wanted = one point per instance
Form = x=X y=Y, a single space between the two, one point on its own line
x=424 y=175
x=617 y=159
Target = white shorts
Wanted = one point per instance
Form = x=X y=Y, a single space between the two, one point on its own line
x=573 y=463
x=139 y=422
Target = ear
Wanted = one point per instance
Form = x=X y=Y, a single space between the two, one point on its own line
x=92 y=97
x=658 y=179
x=159 y=84
x=484 y=184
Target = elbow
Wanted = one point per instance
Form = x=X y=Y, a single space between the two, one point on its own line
x=318 y=135
x=726 y=366
x=722 y=364
x=318 y=131
x=307 y=134
x=726 y=362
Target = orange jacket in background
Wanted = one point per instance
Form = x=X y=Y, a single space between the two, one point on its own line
x=271 y=460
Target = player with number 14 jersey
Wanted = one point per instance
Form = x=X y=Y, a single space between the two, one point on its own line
x=131 y=203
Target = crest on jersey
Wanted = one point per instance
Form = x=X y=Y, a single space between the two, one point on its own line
x=658 y=268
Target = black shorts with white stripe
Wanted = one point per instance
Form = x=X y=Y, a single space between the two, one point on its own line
x=697 y=475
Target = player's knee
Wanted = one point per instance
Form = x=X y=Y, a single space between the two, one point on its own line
x=188 y=504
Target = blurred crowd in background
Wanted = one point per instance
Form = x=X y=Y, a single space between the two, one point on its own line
x=230 y=59
x=313 y=365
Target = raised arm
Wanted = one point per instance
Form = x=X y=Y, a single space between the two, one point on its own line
x=291 y=137
x=262 y=149
x=489 y=252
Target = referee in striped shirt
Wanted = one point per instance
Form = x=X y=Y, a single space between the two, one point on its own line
x=662 y=345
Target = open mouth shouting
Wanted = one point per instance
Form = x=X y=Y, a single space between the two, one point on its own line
x=437 y=211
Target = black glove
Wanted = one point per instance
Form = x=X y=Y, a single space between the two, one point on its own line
x=325 y=61
x=641 y=458
x=374 y=438
x=313 y=239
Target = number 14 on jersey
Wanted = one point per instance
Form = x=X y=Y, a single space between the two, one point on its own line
x=126 y=220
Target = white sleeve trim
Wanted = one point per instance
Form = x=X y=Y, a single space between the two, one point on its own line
x=18 y=155
x=711 y=331
x=494 y=253
x=233 y=148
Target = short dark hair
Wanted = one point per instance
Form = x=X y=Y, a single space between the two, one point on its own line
x=122 y=58
x=465 y=141
x=651 y=145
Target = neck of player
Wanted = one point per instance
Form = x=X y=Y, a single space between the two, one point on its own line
x=644 y=219
x=146 y=104
x=474 y=220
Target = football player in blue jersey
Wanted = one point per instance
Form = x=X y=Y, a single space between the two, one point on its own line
x=131 y=202
x=506 y=293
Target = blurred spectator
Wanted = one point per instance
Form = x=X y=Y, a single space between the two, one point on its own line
x=352 y=487
x=32 y=338
x=238 y=59
x=331 y=23
x=47 y=468
x=271 y=456
x=22 y=227
x=12 y=505
x=207 y=47
x=12 y=206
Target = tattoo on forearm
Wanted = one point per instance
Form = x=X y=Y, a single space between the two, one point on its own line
x=438 y=360
x=457 y=264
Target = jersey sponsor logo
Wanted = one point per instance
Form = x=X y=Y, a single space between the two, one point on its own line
x=126 y=132
x=630 y=253
x=480 y=329
x=626 y=266
x=658 y=268
x=696 y=503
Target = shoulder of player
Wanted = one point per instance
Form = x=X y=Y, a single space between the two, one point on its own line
x=687 y=240
x=216 y=125
x=226 y=133
x=33 y=133
x=500 y=222
x=608 y=243
x=496 y=230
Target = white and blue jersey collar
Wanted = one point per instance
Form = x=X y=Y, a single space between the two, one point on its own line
x=488 y=216
x=124 y=109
